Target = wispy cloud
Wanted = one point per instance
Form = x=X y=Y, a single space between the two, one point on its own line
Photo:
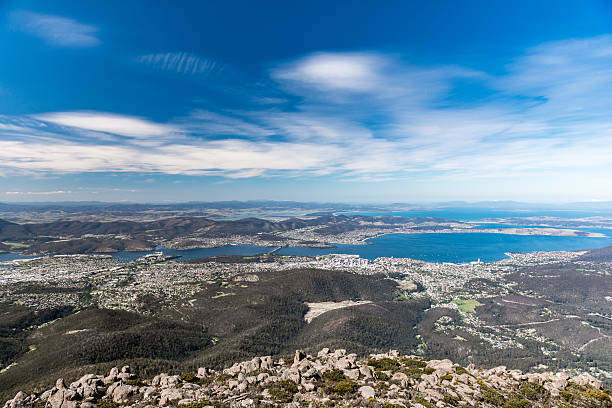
x=35 y=193
x=359 y=116
x=57 y=30
x=180 y=62
x=108 y=122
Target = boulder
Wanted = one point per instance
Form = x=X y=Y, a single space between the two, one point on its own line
x=170 y=394
x=367 y=392
x=63 y=398
x=122 y=393
x=352 y=374
x=112 y=376
x=585 y=379
x=292 y=374
x=19 y=401
x=366 y=371
x=299 y=356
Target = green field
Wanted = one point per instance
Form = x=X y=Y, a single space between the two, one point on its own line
x=467 y=305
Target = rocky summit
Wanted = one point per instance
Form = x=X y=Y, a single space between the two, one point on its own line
x=329 y=379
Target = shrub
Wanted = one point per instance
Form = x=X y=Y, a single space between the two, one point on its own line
x=189 y=377
x=382 y=386
x=460 y=370
x=490 y=396
x=384 y=364
x=534 y=391
x=344 y=388
x=424 y=402
x=334 y=375
x=517 y=402
x=283 y=391
x=415 y=372
x=138 y=382
x=197 y=404
x=107 y=403
x=567 y=396
x=390 y=405
x=597 y=395
x=222 y=378
x=451 y=400
x=382 y=376
x=413 y=362
x=446 y=377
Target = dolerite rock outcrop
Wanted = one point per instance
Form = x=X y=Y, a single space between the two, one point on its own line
x=329 y=379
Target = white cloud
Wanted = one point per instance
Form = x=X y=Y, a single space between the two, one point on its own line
x=108 y=122
x=333 y=71
x=58 y=192
x=57 y=30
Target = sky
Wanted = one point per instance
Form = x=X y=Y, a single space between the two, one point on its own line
x=349 y=101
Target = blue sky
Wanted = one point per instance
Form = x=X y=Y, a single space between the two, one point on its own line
x=348 y=101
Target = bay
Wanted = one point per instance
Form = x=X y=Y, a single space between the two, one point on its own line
x=454 y=247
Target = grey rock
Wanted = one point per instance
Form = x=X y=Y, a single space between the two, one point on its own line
x=367 y=392
x=587 y=379
x=299 y=356
x=122 y=393
x=170 y=394
x=60 y=384
x=366 y=372
x=292 y=374
x=352 y=374
x=203 y=372
x=45 y=395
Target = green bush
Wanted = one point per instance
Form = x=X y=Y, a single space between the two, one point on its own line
x=460 y=370
x=138 y=382
x=534 y=391
x=446 y=377
x=334 y=375
x=566 y=396
x=424 y=402
x=384 y=364
x=413 y=362
x=189 y=377
x=344 y=388
x=107 y=403
x=197 y=404
x=415 y=372
x=451 y=400
x=597 y=395
x=490 y=396
x=283 y=391
x=517 y=402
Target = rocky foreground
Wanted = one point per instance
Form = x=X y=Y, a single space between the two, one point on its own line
x=331 y=379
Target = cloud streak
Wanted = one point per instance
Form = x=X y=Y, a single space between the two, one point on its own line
x=35 y=193
x=180 y=62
